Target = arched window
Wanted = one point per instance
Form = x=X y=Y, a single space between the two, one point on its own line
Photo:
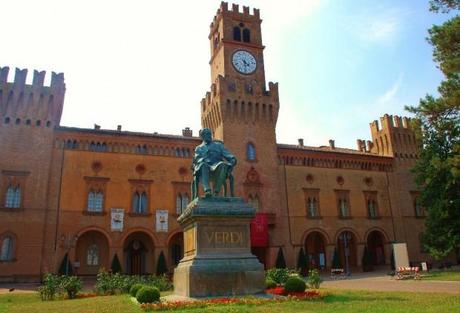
x=95 y=201
x=13 y=197
x=6 y=253
x=250 y=152
x=312 y=207
x=236 y=33
x=182 y=201
x=92 y=255
x=140 y=202
x=372 y=208
x=418 y=207
x=343 y=206
x=246 y=35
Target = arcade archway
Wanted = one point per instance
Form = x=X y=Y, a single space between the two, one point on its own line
x=346 y=247
x=176 y=249
x=138 y=254
x=315 y=249
x=91 y=252
x=375 y=246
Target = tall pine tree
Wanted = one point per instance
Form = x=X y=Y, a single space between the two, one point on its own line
x=437 y=124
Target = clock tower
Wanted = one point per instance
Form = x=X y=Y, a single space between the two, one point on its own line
x=240 y=109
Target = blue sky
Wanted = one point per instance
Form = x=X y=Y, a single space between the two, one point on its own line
x=144 y=64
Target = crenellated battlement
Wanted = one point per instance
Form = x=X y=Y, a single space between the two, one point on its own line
x=36 y=101
x=235 y=12
x=38 y=81
x=391 y=122
x=393 y=136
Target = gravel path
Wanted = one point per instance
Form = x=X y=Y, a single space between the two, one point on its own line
x=383 y=282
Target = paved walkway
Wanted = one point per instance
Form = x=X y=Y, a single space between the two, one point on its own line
x=382 y=282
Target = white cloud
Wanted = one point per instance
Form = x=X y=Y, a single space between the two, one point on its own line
x=381 y=25
x=390 y=96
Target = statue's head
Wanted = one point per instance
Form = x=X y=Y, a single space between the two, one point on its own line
x=206 y=135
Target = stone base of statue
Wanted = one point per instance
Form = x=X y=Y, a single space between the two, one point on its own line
x=217 y=250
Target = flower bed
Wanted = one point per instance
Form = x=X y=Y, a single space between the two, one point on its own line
x=308 y=294
x=173 y=305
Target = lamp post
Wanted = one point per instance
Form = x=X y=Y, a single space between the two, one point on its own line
x=68 y=242
x=346 y=237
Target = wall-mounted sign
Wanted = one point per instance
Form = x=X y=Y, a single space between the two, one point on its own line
x=162 y=220
x=117 y=216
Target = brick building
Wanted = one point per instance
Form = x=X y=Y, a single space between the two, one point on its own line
x=96 y=193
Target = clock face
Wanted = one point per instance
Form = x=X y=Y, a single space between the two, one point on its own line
x=244 y=62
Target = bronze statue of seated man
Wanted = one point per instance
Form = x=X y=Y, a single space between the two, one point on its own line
x=212 y=164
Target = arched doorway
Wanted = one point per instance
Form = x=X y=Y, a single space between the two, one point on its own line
x=138 y=251
x=375 y=245
x=346 y=246
x=176 y=249
x=91 y=252
x=315 y=249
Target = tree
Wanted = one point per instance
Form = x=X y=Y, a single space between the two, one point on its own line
x=335 y=259
x=66 y=266
x=444 y=5
x=116 y=266
x=280 y=261
x=302 y=262
x=437 y=125
x=161 y=265
x=367 y=260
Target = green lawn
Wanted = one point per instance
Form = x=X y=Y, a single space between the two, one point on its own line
x=335 y=301
x=444 y=275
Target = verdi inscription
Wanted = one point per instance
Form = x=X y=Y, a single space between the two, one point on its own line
x=224 y=237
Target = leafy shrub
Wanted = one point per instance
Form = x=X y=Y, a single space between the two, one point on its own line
x=295 y=284
x=161 y=282
x=269 y=283
x=314 y=280
x=71 y=284
x=148 y=294
x=53 y=285
x=279 y=275
x=50 y=287
x=107 y=283
x=134 y=289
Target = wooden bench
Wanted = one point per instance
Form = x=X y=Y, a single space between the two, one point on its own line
x=407 y=271
x=337 y=273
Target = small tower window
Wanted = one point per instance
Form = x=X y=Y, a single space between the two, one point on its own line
x=236 y=33
x=250 y=152
x=38 y=123
x=7 y=120
x=246 y=35
x=18 y=121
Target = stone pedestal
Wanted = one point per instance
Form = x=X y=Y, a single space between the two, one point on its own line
x=217 y=250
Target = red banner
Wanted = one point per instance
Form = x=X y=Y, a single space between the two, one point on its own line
x=259 y=230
